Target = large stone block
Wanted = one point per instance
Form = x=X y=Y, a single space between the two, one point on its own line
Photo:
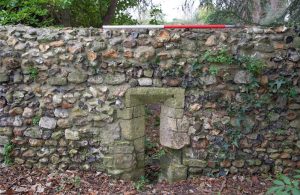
x=172 y=97
x=183 y=124
x=126 y=113
x=133 y=129
x=138 y=111
x=108 y=161
x=124 y=161
x=139 y=144
x=195 y=163
x=171 y=112
x=167 y=123
x=175 y=172
x=140 y=157
x=174 y=140
x=177 y=101
x=109 y=133
x=121 y=147
x=116 y=173
x=171 y=156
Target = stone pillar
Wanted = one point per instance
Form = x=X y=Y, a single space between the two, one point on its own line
x=171 y=166
x=121 y=161
x=173 y=131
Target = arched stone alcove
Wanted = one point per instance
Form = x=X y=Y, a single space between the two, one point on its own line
x=126 y=156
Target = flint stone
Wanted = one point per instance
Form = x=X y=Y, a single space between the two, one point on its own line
x=116 y=41
x=57 y=99
x=295 y=124
x=293 y=55
x=28 y=112
x=96 y=79
x=77 y=77
x=98 y=46
x=144 y=53
x=71 y=135
x=3 y=140
x=242 y=77
x=209 y=80
x=264 y=47
x=61 y=113
x=33 y=132
x=163 y=36
x=4 y=78
x=115 y=79
x=145 y=81
x=238 y=163
x=129 y=43
x=6 y=131
x=47 y=123
x=189 y=45
x=17 y=121
x=57 y=81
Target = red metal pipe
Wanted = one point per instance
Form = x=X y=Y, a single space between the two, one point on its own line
x=197 y=26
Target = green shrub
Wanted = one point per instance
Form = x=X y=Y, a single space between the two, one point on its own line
x=292 y=92
x=216 y=16
x=213 y=70
x=28 y=12
x=148 y=144
x=140 y=184
x=285 y=185
x=36 y=120
x=33 y=72
x=253 y=65
x=7 y=153
x=39 y=13
x=221 y=56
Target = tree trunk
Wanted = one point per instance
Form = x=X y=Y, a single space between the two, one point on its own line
x=107 y=19
x=274 y=5
x=257 y=11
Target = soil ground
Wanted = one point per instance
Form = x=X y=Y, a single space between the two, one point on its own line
x=20 y=180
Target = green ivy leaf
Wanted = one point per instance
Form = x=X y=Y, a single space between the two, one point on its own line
x=279 y=83
x=286 y=180
x=298 y=171
x=278 y=182
x=274 y=189
x=297 y=176
x=295 y=183
x=295 y=191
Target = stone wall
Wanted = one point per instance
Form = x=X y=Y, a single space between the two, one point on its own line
x=71 y=98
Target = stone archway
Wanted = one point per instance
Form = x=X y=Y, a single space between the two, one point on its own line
x=126 y=157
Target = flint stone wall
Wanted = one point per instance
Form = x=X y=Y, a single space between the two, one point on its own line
x=61 y=90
